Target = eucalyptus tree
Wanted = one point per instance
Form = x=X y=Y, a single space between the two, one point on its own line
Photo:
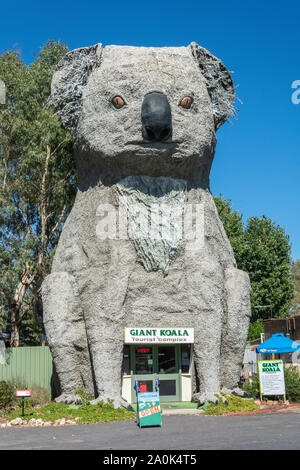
x=37 y=184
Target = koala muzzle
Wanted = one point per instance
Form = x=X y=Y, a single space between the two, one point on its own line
x=156 y=117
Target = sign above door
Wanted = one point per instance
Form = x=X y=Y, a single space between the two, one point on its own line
x=159 y=335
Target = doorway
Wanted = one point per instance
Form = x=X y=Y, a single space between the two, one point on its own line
x=163 y=361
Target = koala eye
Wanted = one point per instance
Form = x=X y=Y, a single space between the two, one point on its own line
x=118 y=102
x=186 y=102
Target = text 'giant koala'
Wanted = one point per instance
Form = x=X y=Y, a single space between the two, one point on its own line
x=144 y=123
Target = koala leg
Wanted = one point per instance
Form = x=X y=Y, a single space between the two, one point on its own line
x=107 y=352
x=66 y=335
x=106 y=341
x=206 y=283
x=236 y=326
x=103 y=299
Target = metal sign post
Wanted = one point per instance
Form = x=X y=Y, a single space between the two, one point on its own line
x=23 y=394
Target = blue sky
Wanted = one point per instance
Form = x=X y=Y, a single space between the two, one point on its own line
x=257 y=162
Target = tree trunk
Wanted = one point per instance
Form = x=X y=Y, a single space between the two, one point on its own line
x=15 y=336
x=16 y=307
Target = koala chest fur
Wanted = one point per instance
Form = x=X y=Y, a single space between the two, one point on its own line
x=143 y=243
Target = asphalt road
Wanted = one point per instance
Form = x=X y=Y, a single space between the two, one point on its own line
x=263 y=431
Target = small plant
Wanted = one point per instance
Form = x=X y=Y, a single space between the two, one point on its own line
x=292 y=383
x=6 y=395
x=235 y=404
x=252 y=386
x=39 y=395
x=255 y=329
x=100 y=413
x=85 y=399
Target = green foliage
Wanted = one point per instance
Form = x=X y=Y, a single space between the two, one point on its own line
x=267 y=260
x=262 y=249
x=251 y=386
x=39 y=395
x=84 y=397
x=292 y=385
x=39 y=406
x=100 y=413
x=6 y=395
x=255 y=329
x=37 y=187
x=235 y=404
x=233 y=224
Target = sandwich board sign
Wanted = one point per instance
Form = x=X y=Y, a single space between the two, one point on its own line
x=271 y=377
x=148 y=409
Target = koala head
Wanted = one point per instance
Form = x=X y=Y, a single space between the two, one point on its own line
x=143 y=111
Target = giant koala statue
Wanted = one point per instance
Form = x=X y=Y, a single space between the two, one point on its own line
x=143 y=122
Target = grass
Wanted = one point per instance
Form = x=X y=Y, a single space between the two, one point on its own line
x=105 y=412
x=235 y=404
x=99 y=413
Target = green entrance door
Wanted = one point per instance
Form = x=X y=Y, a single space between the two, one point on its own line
x=162 y=361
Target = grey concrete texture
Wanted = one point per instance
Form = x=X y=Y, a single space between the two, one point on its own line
x=2 y=92
x=273 y=431
x=99 y=286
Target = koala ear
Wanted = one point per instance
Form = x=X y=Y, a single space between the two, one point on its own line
x=69 y=78
x=218 y=81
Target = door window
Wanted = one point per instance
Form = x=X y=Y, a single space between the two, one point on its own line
x=143 y=360
x=166 y=360
x=185 y=358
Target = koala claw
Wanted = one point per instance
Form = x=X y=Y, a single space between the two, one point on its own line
x=210 y=397
x=68 y=399
x=118 y=402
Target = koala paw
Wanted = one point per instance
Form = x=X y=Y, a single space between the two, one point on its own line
x=118 y=402
x=210 y=397
x=68 y=399
x=238 y=392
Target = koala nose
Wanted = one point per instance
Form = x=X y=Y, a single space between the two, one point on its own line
x=156 y=117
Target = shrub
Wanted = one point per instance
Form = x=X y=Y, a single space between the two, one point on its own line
x=292 y=383
x=252 y=386
x=17 y=384
x=6 y=395
x=39 y=395
x=255 y=329
x=235 y=404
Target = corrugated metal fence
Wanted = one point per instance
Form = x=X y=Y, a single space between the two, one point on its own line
x=28 y=365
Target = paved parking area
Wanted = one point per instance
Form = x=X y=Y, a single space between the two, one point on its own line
x=263 y=431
